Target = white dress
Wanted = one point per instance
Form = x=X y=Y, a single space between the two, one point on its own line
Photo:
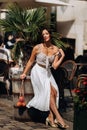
x=42 y=79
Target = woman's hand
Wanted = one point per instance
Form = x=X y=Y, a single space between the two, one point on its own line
x=22 y=76
x=58 y=59
x=62 y=53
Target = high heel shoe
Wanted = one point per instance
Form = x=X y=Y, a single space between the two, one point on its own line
x=63 y=126
x=48 y=122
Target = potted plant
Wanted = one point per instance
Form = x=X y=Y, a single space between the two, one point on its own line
x=80 y=104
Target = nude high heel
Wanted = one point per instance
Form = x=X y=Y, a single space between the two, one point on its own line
x=48 y=122
x=63 y=126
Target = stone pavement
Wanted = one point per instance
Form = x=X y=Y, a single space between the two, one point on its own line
x=7 y=121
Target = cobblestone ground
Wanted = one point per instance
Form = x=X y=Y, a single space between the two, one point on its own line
x=7 y=121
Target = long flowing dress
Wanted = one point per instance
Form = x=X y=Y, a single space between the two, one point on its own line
x=42 y=79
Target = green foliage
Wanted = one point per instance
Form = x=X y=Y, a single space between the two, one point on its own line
x=27 y=23
x=56 y=40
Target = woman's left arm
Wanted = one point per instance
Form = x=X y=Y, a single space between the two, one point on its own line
x=58 y=59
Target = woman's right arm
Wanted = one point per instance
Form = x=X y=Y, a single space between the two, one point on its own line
x=29 y=63
x=58 y=59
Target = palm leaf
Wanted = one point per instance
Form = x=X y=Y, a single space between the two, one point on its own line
x=56 y=40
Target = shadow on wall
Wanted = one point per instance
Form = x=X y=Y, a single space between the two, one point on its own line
x=64 y=27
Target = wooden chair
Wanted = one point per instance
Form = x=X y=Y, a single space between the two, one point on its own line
x=4 y=74
x=80 y=80
x=70 y=67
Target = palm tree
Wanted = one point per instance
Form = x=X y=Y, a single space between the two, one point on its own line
x=26 y=23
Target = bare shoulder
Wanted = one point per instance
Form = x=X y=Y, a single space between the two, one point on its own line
x=58 y=50
x=61 y=50
x=55 y=48
x=36 y=48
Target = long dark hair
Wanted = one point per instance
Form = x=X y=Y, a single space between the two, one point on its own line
x=49 y=30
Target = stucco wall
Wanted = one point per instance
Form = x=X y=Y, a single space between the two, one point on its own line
x=72 y=23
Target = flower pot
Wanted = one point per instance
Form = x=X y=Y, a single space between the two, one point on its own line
x=80 y=119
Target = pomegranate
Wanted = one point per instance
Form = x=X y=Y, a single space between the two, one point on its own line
x=19 y=104
x=23 y=104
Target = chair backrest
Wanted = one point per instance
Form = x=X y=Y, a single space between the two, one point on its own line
x=71 y=67
x=82 y=81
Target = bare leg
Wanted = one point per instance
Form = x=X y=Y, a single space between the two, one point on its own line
x=51 y=117
x=53 y=93
x=54 y=107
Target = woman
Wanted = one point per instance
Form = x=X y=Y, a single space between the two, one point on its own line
x=46 y=94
